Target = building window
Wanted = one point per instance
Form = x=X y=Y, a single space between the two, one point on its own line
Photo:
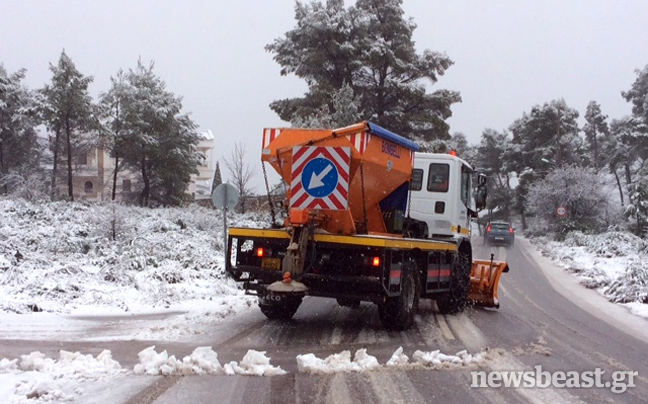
x=88 y=187
x=82 y=159
x=126 y=185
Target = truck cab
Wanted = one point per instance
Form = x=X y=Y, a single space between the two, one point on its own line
x=442 y=200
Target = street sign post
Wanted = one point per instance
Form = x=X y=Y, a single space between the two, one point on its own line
x=225 y=197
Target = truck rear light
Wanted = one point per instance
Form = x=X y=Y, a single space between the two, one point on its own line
x=511 y=230
x=488 y=229
x=259 y=252
x=375 y=261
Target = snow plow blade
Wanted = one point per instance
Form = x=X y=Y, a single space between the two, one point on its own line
x=484 y=279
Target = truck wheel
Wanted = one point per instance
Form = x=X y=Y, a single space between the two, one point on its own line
x=280 y=311
x=456 y=299
x=397 y=313
x=352 y=303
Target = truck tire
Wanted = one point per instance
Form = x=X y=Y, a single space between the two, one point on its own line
x=284 y=310
x=456 y=299
x=397 y=313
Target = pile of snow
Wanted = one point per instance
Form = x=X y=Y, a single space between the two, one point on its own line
x=61 y=257
x=362 y=361
x=614 y=263
x=203 y=360
x=37 y=378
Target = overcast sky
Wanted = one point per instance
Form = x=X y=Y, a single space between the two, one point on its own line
x=509 y=54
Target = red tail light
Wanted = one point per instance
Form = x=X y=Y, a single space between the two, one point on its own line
x=511 y=230
x=259 y=252
x=376 y=261
x=488 y=229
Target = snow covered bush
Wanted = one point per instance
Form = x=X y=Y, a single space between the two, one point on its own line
x=56 y=256
x=580 y=191
x=632 y=285
x=613 y=263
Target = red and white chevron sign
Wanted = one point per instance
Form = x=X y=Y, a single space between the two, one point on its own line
x=360 y=141
x=320 y=177
x=268 y=136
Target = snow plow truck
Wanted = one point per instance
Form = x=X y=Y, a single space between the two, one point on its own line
x=367 y=218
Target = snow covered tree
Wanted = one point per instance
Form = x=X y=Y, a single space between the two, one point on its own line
x=619 y=153
x=19 y=146
x=637 y=209
x=547 y=133
x=595 y=130
x=492 y=159
x=579 y=191
x=218 y=178
x=638 y=96
x=241 y=173
x=345 y=112
x=545 y=138
x=156 y=139
x=368 y=47
x=69 y=113
x=113 y=112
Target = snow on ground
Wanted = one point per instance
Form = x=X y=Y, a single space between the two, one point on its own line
x=615 y=264
x=60 y=261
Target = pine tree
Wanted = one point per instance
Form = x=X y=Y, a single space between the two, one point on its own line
x=157 y=140
x=596 y=130
x=637 y=210
x=114 y=104
x=69 y=112
x=547 y=133
x=19 y=147
x=218 y=179
x=368 y=47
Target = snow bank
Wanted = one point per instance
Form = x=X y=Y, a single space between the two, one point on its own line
x=614 y=263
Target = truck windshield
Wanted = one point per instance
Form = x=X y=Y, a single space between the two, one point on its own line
x=438 y=177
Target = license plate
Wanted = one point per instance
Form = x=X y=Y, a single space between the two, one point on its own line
x=273 y=264
x=499 y=238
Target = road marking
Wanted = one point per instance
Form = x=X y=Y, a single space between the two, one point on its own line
x=443 y=325
x=467 y=332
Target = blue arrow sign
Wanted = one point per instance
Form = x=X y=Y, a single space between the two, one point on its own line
x=319 y=177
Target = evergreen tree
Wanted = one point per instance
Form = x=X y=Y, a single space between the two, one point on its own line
x=218 y=179
x=345 y=112
x=547 y=133
x=114 y=106
x=19 y=147
x=157 y=140
x=637 y=210
x=368 y=47
x=69 y=113
x=618 y=151
x=596 y=130
x=493 y=159
x=638 y=96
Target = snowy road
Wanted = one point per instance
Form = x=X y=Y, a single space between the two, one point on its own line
x=536 y=325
